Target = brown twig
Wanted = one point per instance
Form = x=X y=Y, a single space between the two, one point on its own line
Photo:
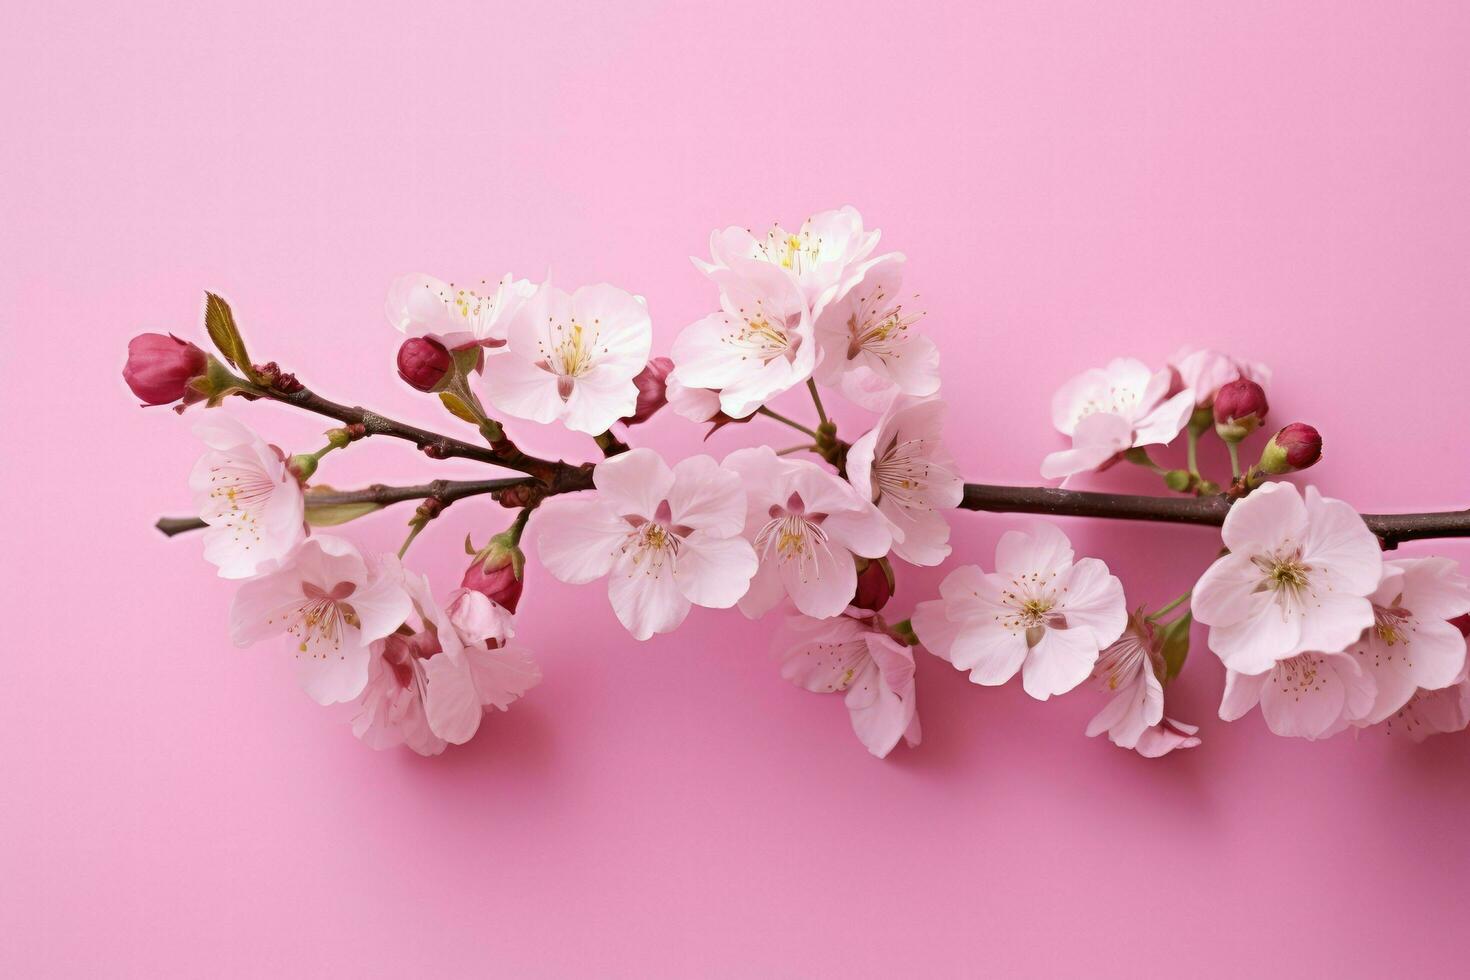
x=1392 y=529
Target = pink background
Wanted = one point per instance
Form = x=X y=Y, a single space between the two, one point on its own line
x=1070 y=183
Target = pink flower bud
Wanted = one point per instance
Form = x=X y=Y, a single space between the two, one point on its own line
x=160 y=367
x=495 y=578
x=1295 y=447
x=874 y=585
x=1462 y=623
x=423 y=363
x=651 y=382
x=1239 y=408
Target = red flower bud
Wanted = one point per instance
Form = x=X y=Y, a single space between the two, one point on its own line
x=160 y=367
x=423 y=363
x=651 y=382
x=1239 y=408
x=1462 y=623
x=495 y=578
x=1295 y=447
x=874 y=585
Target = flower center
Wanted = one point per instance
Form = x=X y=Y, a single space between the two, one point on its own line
x=1300 y=675
x=792 y=534
x=1029 y=604
x=877 y=326
x=1393 y=624
x=237 y=492
x=653 y=542
x=569 y=352
x=1120 y=663
x=795 y=252
x=902 y=472
x=320 y=619
x=1286 y=575
x=762 y=336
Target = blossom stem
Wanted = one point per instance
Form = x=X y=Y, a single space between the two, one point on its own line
x=1234 y=459
x=768 y=413
x=811 y=385
x=1164 y=610
x=1140 y=457
x=804 y=447
x=1192 y=452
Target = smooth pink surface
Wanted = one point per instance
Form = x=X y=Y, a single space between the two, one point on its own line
x=1070 y=182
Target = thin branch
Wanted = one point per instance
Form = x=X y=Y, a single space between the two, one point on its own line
x=1392 y=529
x=445 y=491
x=503 y=453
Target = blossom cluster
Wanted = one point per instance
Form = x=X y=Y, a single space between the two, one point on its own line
x=1308 y=618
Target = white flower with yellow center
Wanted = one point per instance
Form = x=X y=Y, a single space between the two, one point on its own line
x=759 y=345
x=1296 y=580
x=333 y=604
x=903 y=467
x=254 y=507
x=1107 y=411
x=806 y=525
x=667 y=538
x=572 y=357
x=866 y=337
x=1039 y=613
x=456 y=315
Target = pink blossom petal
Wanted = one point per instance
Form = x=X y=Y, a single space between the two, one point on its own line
x=990 y=652
x=646 y=597
x=714 y=572
x=1094 y=601
x=1340 y=543
x=578 y=538
x=1061 y=660
x=1041 y=546
x=1261 y=522
x=634 y=482
x=1242 y=693
x=707 y=497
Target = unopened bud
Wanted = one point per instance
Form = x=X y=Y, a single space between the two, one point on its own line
x=495 y=574
x=424 y=363
x=874 y=584
x=1239 y=408
x=302 y=466
x=652 y=384
x=160 y=367
x=1295 y=447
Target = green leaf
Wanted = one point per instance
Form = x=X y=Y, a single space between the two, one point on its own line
x=220 y=323
x=458 y=407
x=1176 y=645
x=330 y=515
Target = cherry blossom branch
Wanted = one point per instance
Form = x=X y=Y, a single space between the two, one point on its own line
x=1391 y=529
x=444 y=491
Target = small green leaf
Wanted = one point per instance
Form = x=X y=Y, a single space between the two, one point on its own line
x=330 y=515
x=458 y=407
x=1176 y=645
x=220 y=323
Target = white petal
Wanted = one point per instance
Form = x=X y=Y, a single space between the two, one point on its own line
x=714 y=572
x=1265 y=635
x=450 y=700
x=1261 y=522
x=1041 y=548
x=599 y=398
x=990 y=652
x=516 y=386
x=823 y=587
x=578 y=538
x=1059 y=662
x=1222 y=596
x=645 y=597
x=707 y=497
x=1242 y=693
x=634 y=483
x=1094 y=601
x=1340 y=543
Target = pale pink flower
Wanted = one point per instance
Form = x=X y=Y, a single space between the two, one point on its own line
x=1040 y=613
x=572 y=357
x=901 y=465
x=1131 y=670
x=456 y=316
x=821 y=259
x=667 y=538
x=759 y=344
x=253 y=505
x=1433 y=712
x=1107 y=411
x=1410 y=645
x=1205 y=371
x=333 y=603
x=857 y=657
x=869 y=329
x=1297 y=579
x=1310 y=695
x=430 y=687
x=806 y=525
